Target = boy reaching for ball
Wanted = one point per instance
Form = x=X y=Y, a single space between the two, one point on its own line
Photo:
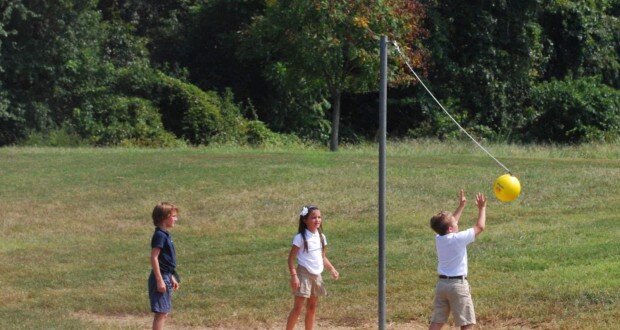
x=452 y=289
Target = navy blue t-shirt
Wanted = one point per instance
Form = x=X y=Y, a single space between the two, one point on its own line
x=167 y=256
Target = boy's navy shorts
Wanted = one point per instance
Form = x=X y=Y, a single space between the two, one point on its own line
x=160 y=302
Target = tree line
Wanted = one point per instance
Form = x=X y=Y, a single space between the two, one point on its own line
x=177 y=72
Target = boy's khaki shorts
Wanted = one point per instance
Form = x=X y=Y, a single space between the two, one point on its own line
x=453 y=295
x=310 y=285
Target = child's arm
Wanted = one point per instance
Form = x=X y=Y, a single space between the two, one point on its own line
x=291 y=267
x=481 y=202
x=329 y=265
x=175 y=283
x=459 y=209
x=161 y=286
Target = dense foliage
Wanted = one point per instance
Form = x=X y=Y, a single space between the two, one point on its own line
x=575 y=111
x=325 y=48
x=165 y=73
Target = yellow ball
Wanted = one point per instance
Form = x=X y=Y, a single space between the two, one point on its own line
x=507 y=188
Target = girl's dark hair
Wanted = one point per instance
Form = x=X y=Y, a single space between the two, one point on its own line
x=302 y=227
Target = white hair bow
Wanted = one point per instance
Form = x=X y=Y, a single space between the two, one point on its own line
x=304 y=212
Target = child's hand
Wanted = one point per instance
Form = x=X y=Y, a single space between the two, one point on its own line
x=481 y=201
x=462 y=198
x=175 y=284
x=161 y=286
x=335 y=274
x=295 y=284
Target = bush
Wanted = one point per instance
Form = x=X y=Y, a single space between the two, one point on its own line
x=197 y=116
x=258 y=134
x=575 y=111
x=62 y=137
x=121 y=120
x=13 y=124
x=436 y=124
x=187 y=111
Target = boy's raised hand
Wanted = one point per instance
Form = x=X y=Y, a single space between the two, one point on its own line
x=462 y=198
x=481 y=201
x=459 y=209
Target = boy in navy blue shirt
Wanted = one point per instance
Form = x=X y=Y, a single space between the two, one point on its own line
x=162 y=280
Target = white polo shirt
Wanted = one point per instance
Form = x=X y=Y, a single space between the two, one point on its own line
x=312 y=259
x=452 y=252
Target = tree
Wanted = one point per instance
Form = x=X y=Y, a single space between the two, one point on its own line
x=331 y=46
x=582 y=39
x=10 y=121
x=488 y=55
x=212 y=42
x=485 y=55
x=51 y=62
x=161 y=22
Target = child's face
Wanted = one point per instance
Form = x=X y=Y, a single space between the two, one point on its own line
x=313 y=220
x=170 y=220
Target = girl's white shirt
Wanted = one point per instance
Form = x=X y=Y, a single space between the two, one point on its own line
x=312 y=259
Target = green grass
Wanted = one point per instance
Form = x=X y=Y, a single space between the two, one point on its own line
x=76 y=232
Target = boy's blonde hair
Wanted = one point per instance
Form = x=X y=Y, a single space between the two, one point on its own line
x=162 y=211
x=440 y=222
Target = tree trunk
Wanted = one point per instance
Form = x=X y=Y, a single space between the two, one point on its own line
x=335 y=99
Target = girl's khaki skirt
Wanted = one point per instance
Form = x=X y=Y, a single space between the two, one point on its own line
x=310 y=285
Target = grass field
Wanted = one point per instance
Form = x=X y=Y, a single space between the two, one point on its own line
x=76 y=234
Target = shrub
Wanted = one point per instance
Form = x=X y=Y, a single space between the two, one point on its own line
x=119 y=120
x=197 y=116
x=12 y=123
x=258 y=134
x=435 y=123
x=575 y=111
x=62 y=137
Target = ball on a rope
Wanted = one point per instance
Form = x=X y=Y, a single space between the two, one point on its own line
x=507 y=188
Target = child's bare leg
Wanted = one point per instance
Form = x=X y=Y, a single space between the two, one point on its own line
x=435 y=326
x=294 y=314
x=311 y=306
x=158 y=321
x=467 y=327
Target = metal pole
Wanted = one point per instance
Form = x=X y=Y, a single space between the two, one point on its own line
x=382 y=138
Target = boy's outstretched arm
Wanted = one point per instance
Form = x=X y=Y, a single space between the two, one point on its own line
x=481 y=202
x=459 y=209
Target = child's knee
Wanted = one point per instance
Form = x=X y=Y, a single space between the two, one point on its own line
x=299 y=305
x=161 y=316
x=298 y=308
x=311 y=304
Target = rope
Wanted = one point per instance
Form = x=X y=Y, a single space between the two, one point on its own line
x=444 y=109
